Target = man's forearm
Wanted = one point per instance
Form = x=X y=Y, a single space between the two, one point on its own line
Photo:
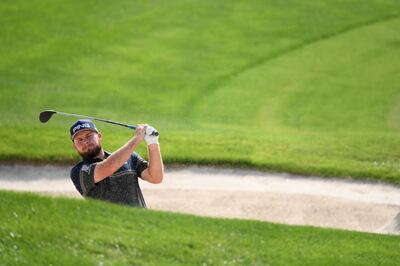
x=108 y=166
x=156 y=166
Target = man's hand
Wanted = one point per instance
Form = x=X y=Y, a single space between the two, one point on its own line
x=140 y=132
x=150 y=139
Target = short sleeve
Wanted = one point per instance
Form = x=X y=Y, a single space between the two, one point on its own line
x=86 y=178
x=141 y=164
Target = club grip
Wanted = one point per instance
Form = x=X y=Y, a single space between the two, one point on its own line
x=154 y=133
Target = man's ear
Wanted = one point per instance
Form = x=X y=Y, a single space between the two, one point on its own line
x=100 y=136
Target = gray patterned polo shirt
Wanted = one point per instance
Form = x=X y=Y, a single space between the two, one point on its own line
x=121 y=187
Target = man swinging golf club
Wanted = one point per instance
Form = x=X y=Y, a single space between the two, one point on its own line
x=114 y=176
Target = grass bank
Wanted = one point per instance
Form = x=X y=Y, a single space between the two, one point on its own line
x=37 y=230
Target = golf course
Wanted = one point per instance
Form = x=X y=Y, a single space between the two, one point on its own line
x=306 y=88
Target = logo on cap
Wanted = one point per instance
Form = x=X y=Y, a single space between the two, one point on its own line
x=82 y=125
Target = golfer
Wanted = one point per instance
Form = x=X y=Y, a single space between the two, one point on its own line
x=114 y=176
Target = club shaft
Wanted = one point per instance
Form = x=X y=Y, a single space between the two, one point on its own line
x=98 y=119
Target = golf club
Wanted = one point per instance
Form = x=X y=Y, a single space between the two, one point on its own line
x=46 y=115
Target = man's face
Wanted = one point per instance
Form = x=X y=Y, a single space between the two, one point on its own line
x=88 y=143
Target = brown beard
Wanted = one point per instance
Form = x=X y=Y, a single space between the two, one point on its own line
x=91 y=153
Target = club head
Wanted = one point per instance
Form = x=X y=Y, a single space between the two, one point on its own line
x=46 y=115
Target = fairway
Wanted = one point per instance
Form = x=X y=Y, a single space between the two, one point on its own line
x=301 y=87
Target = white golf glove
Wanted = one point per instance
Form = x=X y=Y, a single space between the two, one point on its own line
x=150 y=137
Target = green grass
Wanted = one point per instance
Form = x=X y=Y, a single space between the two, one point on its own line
x=37 y=230
x=308 y=87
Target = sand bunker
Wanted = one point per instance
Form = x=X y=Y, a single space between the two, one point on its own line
x=234 y=193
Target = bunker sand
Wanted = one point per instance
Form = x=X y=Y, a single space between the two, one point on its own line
x=244 y=194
